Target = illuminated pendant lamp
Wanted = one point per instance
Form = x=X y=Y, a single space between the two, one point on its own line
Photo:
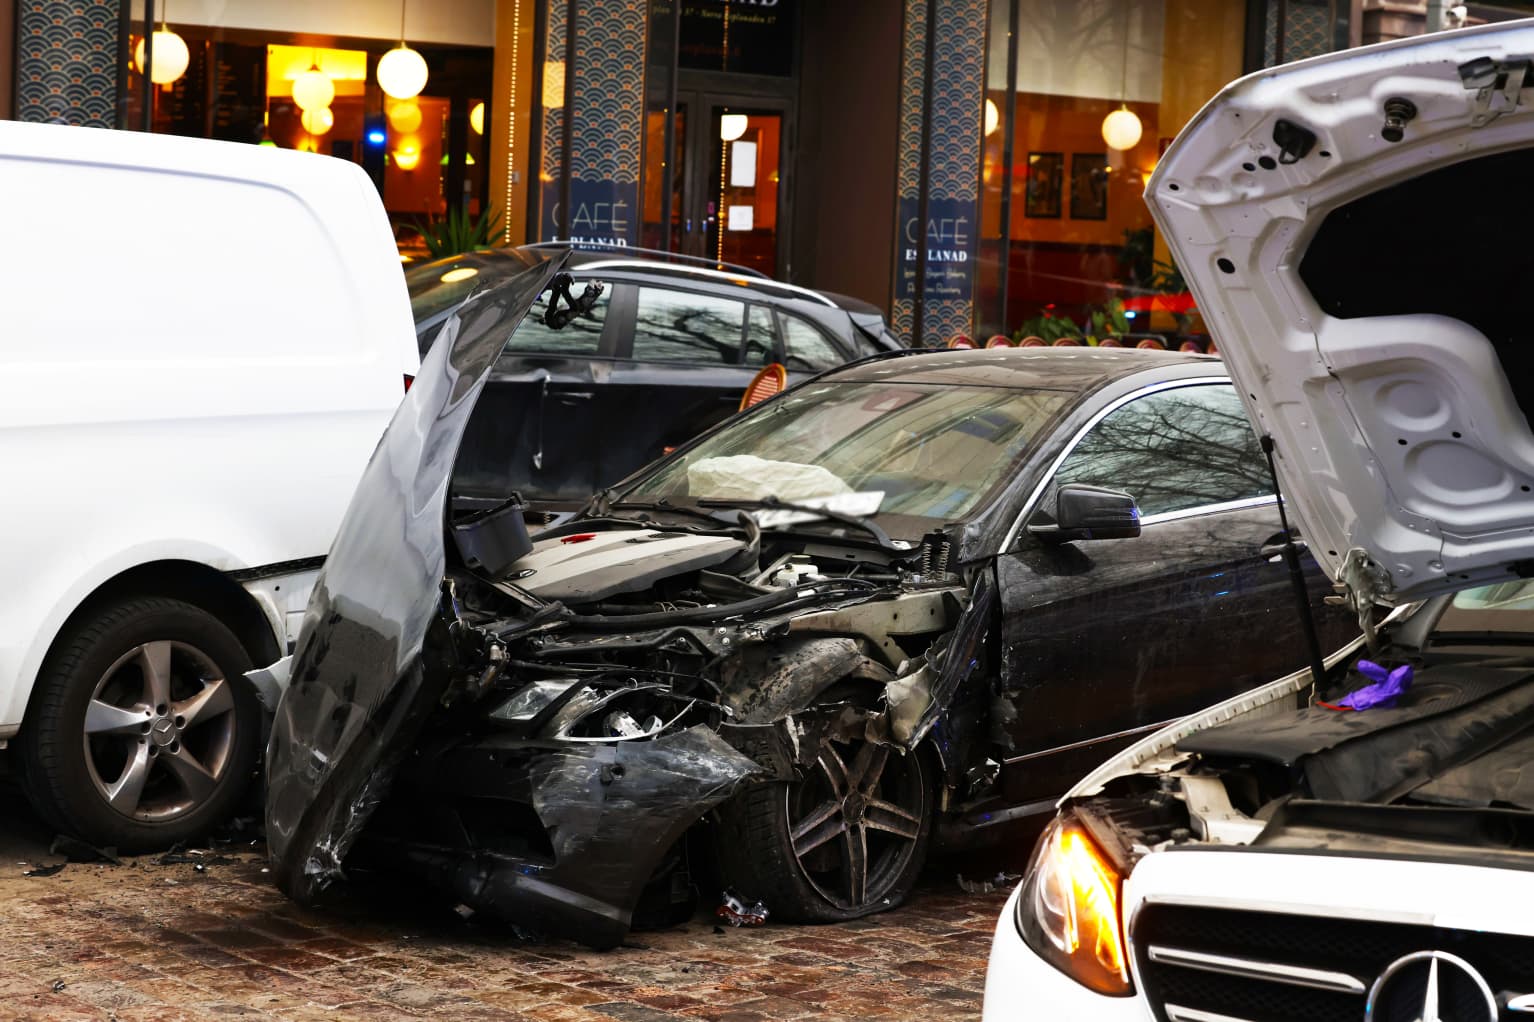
x=402 y=71
x=171 y=56
x=731 y=126
x=313 y=90
x=319 y=120
x=1121 y=128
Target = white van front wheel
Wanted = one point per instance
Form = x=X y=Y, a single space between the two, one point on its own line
x=143 y=731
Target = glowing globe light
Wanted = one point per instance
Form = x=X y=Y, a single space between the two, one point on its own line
x=405 y=117
x=313 y=89
x=992 y=117
x=477 y=118
x=170 y=57
x=407 y=157
x=731 y=126
x=1121 y=129
x=402 y=73
x=319 y=121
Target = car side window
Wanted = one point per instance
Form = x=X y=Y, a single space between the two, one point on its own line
x=1173 y=450
x=675 y=326
x=580 y=336
x=805 y=348
x=759 y=336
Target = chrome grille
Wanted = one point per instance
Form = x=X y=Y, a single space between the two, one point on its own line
x=1231 y=965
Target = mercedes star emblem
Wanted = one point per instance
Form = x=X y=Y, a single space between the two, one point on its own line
x=1430 y=986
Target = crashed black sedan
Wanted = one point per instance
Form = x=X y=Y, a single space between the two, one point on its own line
x=906 y=601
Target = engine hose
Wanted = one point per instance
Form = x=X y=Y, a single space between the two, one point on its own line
x=756 y=605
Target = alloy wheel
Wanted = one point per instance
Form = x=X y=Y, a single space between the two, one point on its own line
x=854 y=826
x=159 y=731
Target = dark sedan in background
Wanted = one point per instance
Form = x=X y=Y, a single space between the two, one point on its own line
x=665 y=352
x=910 y=598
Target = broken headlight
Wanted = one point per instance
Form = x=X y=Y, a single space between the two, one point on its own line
x=531 y=699
x=1069 y=909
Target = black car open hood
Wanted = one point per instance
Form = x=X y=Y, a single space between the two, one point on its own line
x=359 y=689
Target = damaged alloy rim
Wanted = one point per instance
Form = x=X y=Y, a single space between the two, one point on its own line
x=159 y=731
x=855 y=821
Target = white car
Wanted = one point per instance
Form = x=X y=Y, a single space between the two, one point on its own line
x=202 y=344
x=1356 y=231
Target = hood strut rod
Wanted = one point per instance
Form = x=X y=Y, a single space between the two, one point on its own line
x=1291 y=554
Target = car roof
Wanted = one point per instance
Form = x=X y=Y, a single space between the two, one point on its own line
x=1064 y=368
x=617 y=261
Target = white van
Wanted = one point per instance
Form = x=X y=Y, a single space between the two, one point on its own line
x=200 y=345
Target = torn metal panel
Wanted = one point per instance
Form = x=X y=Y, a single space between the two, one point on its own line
x=766 y=682
x=881 y=621
x=609 y=811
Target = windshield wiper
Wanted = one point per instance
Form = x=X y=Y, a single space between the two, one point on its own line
x=666 y=506
x=770 y=503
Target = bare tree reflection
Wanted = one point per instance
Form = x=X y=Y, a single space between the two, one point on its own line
x=1174 y=450
x=687 y=328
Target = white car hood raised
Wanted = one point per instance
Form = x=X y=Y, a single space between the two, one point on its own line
x=1399 y=435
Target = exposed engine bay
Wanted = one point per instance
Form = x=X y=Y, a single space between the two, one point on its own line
x=631 y=672
x=1444 y=772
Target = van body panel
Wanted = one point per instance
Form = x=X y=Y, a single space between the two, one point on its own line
x=206 y=383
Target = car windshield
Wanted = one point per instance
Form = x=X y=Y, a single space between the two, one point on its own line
x=928 y=451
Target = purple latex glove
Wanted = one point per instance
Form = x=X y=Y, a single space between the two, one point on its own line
x=1387 y=688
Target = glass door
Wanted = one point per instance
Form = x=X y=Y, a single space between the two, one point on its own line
x=725 y=180
x=742 y=203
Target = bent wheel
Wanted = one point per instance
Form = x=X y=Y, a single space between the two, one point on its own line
x=142 y=730
x=845 y=840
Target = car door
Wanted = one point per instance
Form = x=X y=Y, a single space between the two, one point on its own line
x=1104 y=640
x=681 y=368
x=533 y=430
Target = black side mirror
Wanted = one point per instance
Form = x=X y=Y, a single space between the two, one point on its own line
x=1090 y=512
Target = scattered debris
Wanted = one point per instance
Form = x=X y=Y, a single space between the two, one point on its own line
x=76 y=850
x=738 y=913
x=999 y=882
x=58 y=986
x=198 y=858
x=44 y=871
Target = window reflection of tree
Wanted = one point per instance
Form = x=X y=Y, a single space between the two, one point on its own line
x=1174 y=450
x=694 y=329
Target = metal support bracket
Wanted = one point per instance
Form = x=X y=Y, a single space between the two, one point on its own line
x=1497 y=85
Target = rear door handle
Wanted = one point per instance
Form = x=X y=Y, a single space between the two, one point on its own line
x=574 y=395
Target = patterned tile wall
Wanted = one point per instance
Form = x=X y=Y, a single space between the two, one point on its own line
x=606 y=92
x=952 y=162
x=1308 y=30
x=66 y=67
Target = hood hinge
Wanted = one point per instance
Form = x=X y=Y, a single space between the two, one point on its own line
x=1497 y=85
x=1360 y=583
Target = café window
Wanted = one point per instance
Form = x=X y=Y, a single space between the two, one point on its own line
x=1082 y=97
x=427 y=155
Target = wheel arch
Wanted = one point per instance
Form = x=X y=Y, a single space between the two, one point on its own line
x=191 y=582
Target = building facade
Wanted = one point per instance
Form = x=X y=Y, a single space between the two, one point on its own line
x=949 y=161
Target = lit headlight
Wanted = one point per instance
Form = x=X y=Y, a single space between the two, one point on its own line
x=1068 y=911
x=531 y=699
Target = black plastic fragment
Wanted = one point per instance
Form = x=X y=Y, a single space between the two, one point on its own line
x=44 y=871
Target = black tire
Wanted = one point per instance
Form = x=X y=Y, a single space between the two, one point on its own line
x=177 y=767
x=755 y=846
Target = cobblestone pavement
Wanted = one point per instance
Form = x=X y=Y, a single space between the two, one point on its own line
x=160 y=943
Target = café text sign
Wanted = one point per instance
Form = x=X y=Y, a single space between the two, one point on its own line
x=601 y=212
x=949 y=239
